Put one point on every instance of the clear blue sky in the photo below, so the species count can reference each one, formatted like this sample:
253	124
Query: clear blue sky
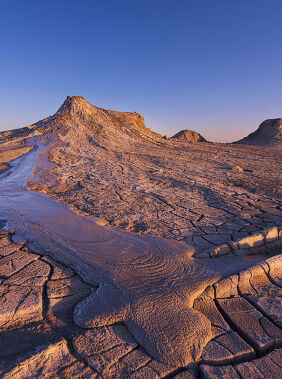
214	66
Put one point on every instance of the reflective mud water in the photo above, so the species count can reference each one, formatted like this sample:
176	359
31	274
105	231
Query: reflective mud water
148	283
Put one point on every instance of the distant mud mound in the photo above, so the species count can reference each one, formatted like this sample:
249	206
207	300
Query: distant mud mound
269	133
189	136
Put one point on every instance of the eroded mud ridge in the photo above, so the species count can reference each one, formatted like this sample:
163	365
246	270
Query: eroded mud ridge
40	339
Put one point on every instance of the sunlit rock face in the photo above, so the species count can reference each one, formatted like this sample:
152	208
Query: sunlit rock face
152	257
269	133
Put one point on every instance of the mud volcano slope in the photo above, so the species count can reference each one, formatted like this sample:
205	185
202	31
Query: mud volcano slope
143	258
81	124
269	133
78	122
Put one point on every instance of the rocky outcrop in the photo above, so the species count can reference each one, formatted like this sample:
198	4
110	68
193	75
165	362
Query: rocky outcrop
269	133
189	136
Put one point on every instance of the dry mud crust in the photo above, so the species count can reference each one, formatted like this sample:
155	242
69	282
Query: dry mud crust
191	193
8	154
38	295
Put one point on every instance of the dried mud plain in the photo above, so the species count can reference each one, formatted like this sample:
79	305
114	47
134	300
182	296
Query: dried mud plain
144	258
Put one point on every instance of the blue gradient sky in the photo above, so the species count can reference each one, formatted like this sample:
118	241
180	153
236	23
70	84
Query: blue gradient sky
212	66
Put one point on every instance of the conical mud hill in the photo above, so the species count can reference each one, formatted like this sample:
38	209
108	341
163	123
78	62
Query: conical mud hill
79	116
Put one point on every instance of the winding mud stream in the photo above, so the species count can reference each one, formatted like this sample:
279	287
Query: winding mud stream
147	283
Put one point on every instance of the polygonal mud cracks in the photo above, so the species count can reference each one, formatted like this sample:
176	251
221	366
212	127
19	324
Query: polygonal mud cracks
52	361
39	295
37	308
245	323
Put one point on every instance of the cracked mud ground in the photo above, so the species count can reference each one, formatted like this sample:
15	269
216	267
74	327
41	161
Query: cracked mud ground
223	199
40	339
203	194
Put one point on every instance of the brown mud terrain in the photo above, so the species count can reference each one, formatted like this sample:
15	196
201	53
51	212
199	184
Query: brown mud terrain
126	254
